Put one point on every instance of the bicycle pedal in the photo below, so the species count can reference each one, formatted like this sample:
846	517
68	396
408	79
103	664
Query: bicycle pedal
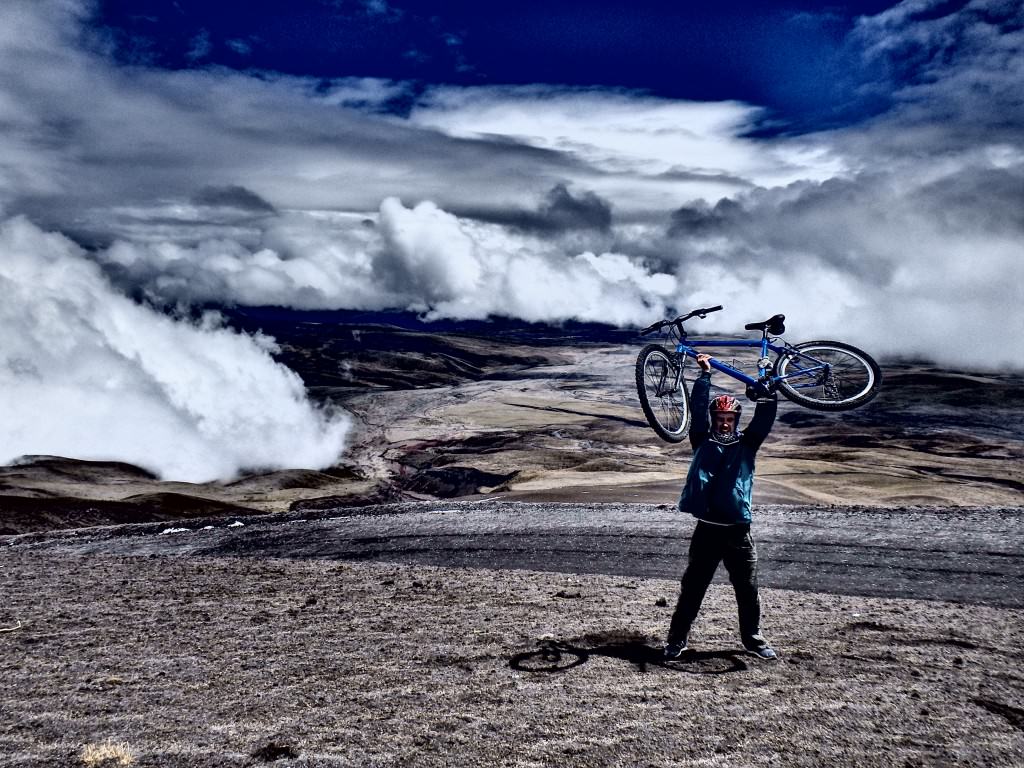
758	392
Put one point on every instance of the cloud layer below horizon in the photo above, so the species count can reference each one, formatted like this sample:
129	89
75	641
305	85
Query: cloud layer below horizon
904	233
91	374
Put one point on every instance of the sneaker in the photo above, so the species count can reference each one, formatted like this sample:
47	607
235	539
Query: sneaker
765	652
674	650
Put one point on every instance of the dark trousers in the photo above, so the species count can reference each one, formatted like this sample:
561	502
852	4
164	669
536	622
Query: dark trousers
711	545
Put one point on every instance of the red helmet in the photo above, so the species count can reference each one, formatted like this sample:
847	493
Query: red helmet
726	404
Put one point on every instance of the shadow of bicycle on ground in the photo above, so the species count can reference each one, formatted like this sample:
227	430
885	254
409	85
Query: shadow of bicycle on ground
562	655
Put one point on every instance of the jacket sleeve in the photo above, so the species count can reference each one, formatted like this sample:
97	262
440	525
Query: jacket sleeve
761	424
700	399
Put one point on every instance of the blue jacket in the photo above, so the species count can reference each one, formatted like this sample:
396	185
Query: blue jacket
721	477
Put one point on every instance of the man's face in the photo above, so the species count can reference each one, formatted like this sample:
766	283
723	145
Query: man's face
723	422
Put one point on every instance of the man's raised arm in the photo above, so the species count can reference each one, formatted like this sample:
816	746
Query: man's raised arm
700	399
761	424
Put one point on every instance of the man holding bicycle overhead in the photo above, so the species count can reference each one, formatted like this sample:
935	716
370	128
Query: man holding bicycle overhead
717	492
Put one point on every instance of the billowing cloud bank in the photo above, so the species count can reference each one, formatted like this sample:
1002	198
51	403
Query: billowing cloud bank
903	233
89	373
420	258
850	258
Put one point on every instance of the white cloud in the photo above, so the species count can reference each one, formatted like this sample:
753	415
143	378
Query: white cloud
420	258
645	147
200	46
84	135
239	46
427	252
86	372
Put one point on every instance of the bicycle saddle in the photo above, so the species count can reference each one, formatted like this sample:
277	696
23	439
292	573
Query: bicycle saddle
774	325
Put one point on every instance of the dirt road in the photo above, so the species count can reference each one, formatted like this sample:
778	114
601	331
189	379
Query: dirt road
965	555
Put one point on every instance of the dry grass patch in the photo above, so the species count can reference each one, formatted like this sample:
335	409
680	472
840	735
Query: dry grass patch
108	753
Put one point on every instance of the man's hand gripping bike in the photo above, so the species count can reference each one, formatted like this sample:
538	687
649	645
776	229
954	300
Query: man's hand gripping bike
821	375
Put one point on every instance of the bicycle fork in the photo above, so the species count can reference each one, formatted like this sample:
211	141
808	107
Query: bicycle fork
662	390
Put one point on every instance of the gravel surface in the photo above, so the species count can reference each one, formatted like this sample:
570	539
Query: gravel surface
230	662
207	647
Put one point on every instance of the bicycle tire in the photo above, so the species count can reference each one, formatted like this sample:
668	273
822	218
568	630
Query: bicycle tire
668	412
851	380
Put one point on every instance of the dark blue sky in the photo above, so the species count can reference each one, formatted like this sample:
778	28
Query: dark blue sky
787	56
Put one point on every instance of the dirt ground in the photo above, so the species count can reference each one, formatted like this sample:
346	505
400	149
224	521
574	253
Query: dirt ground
203	661
178	650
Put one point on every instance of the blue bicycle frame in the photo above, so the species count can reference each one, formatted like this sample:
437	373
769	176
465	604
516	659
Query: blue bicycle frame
764	382
821	375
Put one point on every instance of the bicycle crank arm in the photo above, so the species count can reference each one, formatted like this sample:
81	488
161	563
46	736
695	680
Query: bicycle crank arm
763	388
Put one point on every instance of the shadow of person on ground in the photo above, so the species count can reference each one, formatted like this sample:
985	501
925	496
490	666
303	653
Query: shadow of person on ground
562	655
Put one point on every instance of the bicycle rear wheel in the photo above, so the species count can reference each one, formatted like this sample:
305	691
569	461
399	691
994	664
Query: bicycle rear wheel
828	376
662	391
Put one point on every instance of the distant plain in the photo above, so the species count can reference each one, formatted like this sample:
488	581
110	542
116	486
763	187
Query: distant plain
536	412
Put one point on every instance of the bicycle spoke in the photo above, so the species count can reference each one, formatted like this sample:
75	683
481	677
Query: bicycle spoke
827	374
664	393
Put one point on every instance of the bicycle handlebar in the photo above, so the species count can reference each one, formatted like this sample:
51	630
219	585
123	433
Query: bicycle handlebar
651	328
678	322
700	313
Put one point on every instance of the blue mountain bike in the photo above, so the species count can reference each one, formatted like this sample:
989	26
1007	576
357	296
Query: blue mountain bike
821	375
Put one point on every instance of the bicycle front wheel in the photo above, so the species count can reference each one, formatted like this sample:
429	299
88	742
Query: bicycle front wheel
828	376
662	391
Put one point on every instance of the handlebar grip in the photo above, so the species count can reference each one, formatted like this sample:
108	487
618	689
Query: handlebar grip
702	313
652	328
